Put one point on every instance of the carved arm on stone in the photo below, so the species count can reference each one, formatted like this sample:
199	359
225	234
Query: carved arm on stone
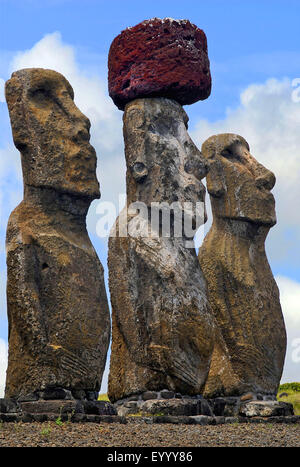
24	308
157	255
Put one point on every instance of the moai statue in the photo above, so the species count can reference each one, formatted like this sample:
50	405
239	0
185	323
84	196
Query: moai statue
162	328
250	336
59	323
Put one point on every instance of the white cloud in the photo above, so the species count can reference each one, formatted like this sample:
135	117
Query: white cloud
10	185
44	55
3	365
290	302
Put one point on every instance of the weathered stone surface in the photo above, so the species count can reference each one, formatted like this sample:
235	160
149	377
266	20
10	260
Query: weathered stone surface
175	420
97	408
247	397
128	409
204	408
10	417
63	407
66	417
165	394
98	418
55	393
170	407
59	324
162	327
231	420
8	406
131	405
79	394
220	420
227	406
250	336
58	406
266	409
204	420
134	397
32	396
159	58
218	406
91	395
149	395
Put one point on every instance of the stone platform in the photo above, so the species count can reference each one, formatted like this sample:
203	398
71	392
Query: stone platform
63	410
149	407
168	407
58	404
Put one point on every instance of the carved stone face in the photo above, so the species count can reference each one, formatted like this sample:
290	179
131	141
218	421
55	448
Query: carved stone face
51	133
165	165
239	185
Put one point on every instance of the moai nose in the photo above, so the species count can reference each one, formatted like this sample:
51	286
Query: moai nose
266	179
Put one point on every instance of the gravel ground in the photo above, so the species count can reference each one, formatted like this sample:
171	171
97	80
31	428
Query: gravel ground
135	434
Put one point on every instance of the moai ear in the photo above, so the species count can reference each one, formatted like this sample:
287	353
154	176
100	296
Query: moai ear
215	179
134	137
139	171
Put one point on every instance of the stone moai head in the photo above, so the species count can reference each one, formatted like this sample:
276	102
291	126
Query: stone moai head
238	185
163	163
51	133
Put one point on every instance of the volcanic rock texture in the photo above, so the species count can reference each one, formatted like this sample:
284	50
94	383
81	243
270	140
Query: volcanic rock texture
162	335
59	324
159	58
250	333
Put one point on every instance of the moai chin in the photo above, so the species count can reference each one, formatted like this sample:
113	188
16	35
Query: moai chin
162	328
59	323
250	332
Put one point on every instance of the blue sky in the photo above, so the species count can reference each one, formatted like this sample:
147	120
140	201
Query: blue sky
254	53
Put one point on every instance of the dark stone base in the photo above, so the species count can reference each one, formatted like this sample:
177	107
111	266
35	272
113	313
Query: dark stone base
59	393
206	420
63	410
247	406
183	409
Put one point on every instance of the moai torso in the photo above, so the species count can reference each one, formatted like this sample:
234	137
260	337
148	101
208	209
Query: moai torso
250	332
59	325
162	328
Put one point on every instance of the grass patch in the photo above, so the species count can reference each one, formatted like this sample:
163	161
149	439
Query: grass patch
45	432
289	387
137	414
59	421
293	395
